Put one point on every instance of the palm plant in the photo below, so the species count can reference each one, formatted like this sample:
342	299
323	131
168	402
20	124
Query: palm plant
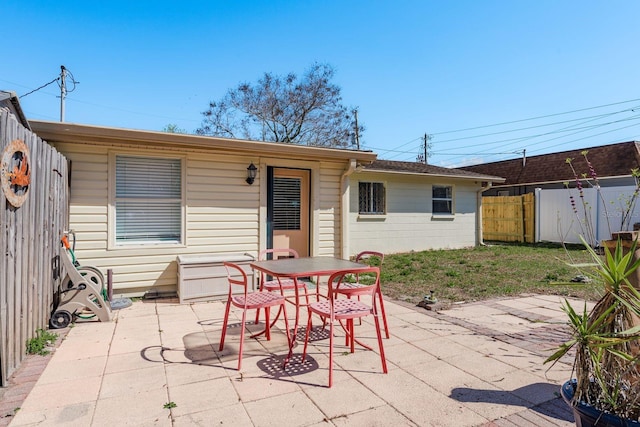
607	339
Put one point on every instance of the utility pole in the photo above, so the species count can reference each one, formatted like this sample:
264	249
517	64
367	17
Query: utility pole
425	149
63	90
355	113
422	157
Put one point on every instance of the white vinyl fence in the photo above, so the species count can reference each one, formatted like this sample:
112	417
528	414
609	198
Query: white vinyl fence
556	220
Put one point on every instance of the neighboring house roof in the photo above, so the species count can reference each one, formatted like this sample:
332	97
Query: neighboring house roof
615	160
10	100
426	169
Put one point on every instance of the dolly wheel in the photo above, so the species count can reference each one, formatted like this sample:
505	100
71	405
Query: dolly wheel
60	319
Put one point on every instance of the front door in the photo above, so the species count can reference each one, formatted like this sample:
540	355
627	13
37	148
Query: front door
288	209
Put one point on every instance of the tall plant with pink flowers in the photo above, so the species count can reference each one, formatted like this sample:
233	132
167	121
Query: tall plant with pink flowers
582	208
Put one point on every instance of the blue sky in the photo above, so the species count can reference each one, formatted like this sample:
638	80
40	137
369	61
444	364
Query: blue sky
411	67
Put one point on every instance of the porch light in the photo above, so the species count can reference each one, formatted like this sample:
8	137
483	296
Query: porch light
252	170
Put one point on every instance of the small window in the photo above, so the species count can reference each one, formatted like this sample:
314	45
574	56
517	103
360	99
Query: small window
442	199
148	200
371	198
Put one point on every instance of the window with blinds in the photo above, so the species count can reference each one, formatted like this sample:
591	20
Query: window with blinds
371	200
286	203
442	199
148	199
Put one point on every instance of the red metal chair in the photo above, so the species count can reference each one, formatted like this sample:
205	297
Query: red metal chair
248	301
347	309
361	257
276	285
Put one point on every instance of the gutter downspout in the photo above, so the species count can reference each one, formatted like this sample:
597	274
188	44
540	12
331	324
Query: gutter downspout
344	208
479	240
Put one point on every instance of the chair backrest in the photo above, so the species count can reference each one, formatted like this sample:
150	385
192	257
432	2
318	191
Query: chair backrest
277	253
338	280
236	276
365	255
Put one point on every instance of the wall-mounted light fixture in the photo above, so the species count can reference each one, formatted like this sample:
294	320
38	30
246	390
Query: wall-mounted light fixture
252	170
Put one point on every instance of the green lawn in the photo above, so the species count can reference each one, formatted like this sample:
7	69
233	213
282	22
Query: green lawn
495	270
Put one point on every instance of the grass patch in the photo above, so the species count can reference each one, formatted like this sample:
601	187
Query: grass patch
485	272
41	342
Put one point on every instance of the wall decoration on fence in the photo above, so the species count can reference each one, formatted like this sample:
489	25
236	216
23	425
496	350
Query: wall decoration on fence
15	172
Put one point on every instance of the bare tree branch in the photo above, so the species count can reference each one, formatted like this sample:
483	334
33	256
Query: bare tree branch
285	109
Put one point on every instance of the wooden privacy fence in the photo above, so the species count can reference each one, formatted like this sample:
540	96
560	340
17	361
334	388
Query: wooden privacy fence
33	215
509	218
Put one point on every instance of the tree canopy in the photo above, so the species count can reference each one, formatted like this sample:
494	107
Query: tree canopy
306	110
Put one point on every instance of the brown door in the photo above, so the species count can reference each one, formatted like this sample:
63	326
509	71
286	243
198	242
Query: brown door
289	210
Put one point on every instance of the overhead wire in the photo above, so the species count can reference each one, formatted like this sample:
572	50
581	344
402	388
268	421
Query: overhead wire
41	87
511	141
567	129
581	130
536	118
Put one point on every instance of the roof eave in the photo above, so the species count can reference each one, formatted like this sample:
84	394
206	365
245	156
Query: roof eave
440	175
15	102
71	132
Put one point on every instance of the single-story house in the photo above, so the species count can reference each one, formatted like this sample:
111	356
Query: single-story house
404	206
146	205
612	163
139	199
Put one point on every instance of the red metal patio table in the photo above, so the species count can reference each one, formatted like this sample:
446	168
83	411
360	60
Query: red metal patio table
297	268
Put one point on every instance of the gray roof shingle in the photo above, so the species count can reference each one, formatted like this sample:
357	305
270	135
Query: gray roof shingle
426	169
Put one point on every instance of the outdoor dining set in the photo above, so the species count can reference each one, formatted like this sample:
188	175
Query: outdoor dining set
352	293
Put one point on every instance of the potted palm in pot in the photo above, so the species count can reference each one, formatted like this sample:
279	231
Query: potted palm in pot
605	390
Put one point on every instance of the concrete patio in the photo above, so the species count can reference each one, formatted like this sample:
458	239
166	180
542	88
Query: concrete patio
156	364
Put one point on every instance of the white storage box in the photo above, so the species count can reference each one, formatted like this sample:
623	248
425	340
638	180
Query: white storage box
202	278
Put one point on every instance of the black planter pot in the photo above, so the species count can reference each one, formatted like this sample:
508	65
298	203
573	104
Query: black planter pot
588	416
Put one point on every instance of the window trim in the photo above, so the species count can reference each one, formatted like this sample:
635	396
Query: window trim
384	200
112	244
452	200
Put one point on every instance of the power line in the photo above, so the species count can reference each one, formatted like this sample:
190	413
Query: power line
535	118
41	87
563	132
567	129
599	116
456	155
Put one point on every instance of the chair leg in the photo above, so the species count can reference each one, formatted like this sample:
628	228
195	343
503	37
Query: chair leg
224	325
286	328
352	335
267	325
380	346
258	310
244	319
307	332
384	315
330	353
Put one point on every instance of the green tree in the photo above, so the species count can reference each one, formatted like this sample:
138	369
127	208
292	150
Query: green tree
173	128
306	110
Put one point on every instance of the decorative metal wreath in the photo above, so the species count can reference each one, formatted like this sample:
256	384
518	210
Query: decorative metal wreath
15	172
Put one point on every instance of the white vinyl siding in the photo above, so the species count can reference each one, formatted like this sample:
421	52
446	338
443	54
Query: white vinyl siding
221	211
329	238
148	200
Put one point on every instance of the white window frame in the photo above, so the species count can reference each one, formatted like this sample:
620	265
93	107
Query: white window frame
112	228
384	199
451	200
